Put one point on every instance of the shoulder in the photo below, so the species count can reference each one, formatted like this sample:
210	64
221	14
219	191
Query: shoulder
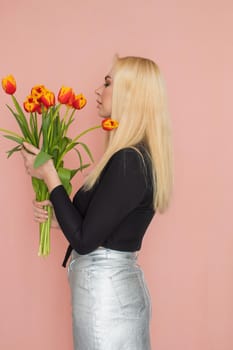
130	160
128	171
134	153
137	154
127	156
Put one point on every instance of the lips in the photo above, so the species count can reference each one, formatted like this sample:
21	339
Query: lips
98	104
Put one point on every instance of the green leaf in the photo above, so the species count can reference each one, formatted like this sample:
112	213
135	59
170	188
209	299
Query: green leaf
21	124
34	131
23	120
70	146
18	108
41	158
74	171
64	143
36	135
55	154
87	150
69	189
13	150
84	166
65	176
40	189
31	122
80	157
10	132
45	126
55	147
14	138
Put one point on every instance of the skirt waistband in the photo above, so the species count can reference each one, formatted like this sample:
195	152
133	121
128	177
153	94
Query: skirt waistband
106	253
105	256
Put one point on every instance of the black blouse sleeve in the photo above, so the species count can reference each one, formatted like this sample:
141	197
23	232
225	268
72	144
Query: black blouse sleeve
120	190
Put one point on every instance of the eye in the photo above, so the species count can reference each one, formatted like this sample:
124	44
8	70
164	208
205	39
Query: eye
107	83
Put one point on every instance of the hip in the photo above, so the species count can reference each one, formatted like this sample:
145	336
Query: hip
109	278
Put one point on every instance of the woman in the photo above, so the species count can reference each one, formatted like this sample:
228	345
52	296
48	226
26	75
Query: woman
108	217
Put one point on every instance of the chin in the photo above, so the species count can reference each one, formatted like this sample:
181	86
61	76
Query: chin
104	116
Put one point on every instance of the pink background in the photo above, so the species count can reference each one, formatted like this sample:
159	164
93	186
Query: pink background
187	253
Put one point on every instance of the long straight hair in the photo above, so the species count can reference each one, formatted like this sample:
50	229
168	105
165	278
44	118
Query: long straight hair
139	104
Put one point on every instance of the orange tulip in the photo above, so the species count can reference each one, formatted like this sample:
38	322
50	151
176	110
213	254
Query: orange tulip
79	102
9	84
32	105
109	124
48	99
38	90
71	100
65	95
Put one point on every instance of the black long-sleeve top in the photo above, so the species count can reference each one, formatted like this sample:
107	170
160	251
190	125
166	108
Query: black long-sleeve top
115	213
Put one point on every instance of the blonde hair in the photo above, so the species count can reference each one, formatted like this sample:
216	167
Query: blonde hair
139	105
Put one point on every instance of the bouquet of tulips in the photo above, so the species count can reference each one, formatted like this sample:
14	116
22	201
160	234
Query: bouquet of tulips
46	129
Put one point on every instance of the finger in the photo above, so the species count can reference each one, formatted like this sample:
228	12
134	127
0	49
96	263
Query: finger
41	204
23	153
31	148
26	158
40	215
40	220
40	211
37	204
46	202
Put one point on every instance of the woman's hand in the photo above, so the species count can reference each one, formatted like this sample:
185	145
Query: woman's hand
46	172
29	153
41	215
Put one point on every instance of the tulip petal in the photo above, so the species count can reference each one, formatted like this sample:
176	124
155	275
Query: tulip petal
79	101
9	84
64	95
109	124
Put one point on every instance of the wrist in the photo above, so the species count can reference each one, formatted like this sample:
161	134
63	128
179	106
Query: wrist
52	179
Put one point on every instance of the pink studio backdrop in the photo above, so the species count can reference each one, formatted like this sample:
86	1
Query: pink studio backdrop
187	253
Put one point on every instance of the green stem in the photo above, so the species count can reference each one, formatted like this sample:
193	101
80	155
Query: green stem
65	116
69	122
73	143
42	194
85	132
52	118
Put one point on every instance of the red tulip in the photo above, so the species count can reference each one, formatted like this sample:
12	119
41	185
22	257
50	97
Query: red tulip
71	100
38	90
32	105
65	95
79	102
9	84
48	99
109	124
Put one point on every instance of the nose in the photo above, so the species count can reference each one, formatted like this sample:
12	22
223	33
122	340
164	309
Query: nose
98	91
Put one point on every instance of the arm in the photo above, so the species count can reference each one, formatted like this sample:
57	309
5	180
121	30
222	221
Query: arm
120	190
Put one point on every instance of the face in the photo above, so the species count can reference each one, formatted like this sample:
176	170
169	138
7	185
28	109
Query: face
104	97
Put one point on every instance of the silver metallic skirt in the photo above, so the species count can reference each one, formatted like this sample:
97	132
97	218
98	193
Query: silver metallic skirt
111	306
